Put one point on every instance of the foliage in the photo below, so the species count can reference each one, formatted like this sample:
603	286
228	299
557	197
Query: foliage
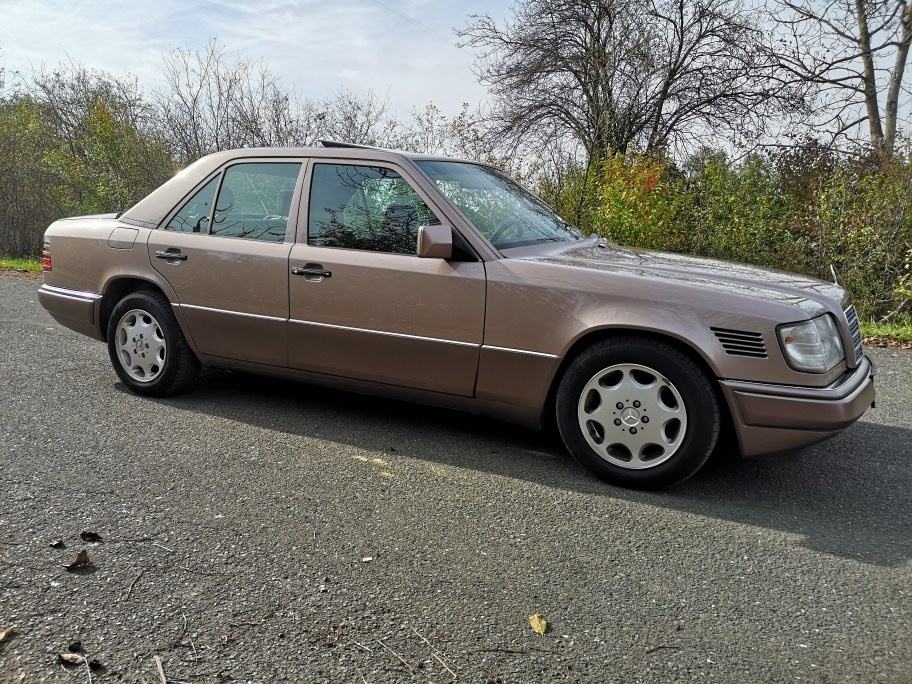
28	187
30	265
637	203
811	214
901	331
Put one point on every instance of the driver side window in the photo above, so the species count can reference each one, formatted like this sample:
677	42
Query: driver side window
370	208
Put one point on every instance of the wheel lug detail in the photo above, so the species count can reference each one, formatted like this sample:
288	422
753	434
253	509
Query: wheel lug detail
633	431
636	404
620	405
617	421
645	419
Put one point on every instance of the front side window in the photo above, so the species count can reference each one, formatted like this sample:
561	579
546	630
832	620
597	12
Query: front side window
254	201
365	207
506	214
193	217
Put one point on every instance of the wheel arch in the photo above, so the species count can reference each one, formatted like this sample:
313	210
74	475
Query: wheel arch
119	286
595	335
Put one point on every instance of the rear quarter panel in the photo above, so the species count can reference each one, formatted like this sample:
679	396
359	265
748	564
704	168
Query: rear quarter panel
91	254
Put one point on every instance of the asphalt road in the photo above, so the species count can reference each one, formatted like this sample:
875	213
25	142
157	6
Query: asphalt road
238	519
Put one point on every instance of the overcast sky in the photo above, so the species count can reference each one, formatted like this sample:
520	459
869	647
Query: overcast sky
404	48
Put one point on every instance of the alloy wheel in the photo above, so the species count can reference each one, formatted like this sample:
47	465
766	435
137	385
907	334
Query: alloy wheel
140	345
632	416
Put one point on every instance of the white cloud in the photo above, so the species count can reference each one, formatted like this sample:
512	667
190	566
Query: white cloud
405	48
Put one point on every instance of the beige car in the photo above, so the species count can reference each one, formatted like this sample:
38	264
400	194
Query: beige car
442	281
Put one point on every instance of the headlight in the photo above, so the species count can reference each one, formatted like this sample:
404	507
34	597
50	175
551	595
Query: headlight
813	346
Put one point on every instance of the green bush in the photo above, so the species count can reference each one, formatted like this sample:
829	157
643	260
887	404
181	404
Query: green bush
805	212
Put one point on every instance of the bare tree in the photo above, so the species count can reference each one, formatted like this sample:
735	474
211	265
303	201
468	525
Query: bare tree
852	55
362	119
465	134
210	102
627	74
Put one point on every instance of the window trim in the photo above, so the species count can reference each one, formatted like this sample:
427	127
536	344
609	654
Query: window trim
303	232
291	228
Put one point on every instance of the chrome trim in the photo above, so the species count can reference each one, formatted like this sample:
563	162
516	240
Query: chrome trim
520	351
67	293
227	311
851	316
350	328
384	332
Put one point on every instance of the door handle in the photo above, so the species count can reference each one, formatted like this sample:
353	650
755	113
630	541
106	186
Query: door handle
170	255
313	272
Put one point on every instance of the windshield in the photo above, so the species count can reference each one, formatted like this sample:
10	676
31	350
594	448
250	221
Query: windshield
507	215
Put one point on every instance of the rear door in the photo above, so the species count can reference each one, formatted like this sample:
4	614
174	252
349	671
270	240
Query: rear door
225	253
363	305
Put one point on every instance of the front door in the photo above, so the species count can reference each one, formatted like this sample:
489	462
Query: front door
229	267
363	305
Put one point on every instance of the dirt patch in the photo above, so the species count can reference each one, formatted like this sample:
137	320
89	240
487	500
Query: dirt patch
20	273
886	343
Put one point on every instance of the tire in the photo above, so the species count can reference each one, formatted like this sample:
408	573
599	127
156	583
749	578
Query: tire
635	394
147	348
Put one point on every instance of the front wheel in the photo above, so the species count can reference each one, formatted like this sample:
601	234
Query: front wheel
637	412
146	346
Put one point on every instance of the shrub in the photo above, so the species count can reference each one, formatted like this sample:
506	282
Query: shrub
804	211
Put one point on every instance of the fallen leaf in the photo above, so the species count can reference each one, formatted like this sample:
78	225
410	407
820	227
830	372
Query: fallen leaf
57	544
81	560
90	536
538	623
77	659
6	633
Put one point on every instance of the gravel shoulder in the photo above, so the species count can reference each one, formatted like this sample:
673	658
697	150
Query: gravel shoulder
260	531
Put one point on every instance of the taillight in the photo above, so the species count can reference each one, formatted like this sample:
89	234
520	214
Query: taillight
47	264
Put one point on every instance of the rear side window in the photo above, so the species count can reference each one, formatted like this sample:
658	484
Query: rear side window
365	207
254	201
193	217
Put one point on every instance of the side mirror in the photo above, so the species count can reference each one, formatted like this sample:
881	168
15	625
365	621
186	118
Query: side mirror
435	242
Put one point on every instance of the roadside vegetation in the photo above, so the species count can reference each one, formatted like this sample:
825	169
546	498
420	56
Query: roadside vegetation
21	265
775	134
888	334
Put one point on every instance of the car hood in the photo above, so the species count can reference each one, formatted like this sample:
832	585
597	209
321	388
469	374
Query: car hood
809	294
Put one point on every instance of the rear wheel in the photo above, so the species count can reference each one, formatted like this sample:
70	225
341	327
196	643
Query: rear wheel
146	346
637	412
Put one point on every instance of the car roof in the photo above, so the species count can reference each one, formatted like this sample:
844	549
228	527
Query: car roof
152	209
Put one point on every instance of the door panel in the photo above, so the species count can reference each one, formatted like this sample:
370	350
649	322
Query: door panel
233	292
391	318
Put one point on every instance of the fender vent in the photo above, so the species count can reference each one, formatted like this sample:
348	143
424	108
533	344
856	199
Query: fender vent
741	342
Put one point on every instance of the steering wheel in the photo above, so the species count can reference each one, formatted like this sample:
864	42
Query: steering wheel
504	226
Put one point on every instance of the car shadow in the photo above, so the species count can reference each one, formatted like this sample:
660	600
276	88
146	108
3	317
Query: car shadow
848	496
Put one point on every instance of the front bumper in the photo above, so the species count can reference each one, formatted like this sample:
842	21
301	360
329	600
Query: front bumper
74	309
771	418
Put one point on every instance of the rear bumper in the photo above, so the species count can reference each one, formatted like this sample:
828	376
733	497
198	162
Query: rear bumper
771	418
74	309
